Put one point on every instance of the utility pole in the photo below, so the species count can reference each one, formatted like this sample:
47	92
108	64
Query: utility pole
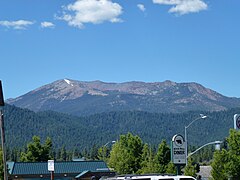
3	132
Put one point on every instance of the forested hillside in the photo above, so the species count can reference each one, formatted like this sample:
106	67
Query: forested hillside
98	129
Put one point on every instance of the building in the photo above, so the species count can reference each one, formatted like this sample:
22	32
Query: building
205	172
72	170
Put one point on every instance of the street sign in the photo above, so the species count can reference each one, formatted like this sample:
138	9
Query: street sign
178	150
50	165
237	121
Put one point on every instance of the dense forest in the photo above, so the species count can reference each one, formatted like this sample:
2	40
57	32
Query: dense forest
83	133
130	155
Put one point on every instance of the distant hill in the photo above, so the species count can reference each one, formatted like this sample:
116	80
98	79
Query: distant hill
85	98
98	129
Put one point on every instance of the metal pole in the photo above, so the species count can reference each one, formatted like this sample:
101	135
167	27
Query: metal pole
215	142
109	142
52	175
179	169
3	144
201	117
185	136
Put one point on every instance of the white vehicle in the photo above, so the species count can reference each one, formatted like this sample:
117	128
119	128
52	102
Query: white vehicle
152	177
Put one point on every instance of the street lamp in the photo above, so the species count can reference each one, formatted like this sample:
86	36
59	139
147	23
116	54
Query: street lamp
106	150
109	142
217	147
201	117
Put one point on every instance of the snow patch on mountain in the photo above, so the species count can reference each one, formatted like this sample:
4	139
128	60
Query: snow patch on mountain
68	82
97	93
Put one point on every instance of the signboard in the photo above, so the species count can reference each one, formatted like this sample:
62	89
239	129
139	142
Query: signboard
237	121
178	149
50	165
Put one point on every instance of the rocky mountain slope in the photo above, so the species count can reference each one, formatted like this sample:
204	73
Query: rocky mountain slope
84	98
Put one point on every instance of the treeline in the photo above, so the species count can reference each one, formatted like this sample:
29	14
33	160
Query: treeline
129	155
96	153
83	133
58	154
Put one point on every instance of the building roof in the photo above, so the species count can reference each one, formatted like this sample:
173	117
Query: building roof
31	168
205	172
82	174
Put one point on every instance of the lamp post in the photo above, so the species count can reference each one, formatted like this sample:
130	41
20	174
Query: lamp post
201	117
109	142
105	150
217	147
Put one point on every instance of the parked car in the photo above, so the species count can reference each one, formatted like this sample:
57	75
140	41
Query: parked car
152	177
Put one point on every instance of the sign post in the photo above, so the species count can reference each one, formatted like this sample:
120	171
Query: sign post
237	121
3	132
51	168
178	151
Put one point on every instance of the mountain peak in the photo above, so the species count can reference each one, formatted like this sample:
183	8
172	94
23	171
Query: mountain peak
88	97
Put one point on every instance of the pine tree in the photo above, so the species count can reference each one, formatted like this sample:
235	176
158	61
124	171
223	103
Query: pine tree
36	152
103	153
226	163
147	161
125	156
190	169
163	157
63	154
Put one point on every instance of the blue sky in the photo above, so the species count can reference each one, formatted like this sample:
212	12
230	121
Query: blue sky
119	40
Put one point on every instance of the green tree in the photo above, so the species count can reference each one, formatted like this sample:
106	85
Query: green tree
147	162
1	165
94	152
63	154
36	152
125	156
218	165
103	153
163	157
190	169
226	163
171	168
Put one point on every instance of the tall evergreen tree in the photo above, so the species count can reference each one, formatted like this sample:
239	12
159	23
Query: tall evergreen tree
163	157
226	163
125	156
103	153
36	152
147	162
190	169
63	154
218	165
94	152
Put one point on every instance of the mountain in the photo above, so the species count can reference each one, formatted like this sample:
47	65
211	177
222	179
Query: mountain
98	129
85	98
